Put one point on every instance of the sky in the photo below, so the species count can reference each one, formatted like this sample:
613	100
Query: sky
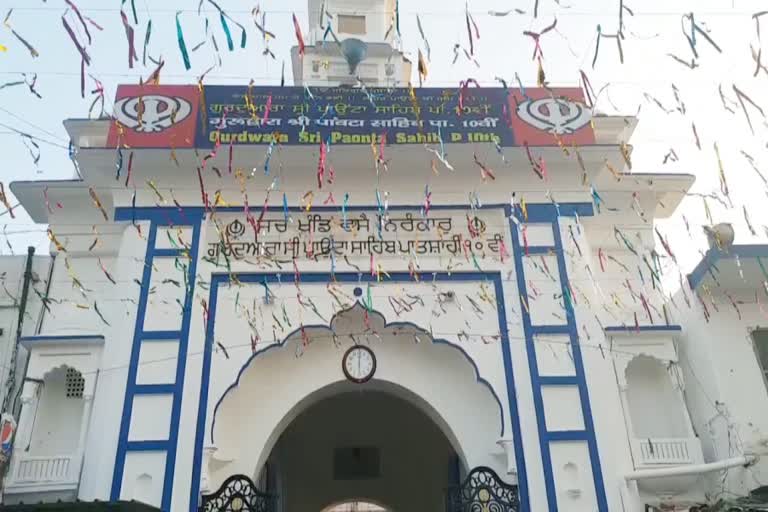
653	30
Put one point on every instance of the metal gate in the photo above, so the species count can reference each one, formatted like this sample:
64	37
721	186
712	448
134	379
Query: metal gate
238	493
482	491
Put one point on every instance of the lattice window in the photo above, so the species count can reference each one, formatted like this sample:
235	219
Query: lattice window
74	384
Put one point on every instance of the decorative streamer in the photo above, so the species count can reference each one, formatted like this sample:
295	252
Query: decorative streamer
422	67
182	44
80	17
23	41
83	54
299	37
741	97
424	38
130	167
96	309
129	35
97	203
146	43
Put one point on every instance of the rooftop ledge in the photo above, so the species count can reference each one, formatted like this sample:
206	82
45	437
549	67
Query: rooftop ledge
741	267
41	340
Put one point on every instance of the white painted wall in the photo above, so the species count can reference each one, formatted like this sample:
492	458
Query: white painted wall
729	403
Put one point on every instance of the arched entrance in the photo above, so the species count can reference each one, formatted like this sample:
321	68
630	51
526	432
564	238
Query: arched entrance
362	445
302	432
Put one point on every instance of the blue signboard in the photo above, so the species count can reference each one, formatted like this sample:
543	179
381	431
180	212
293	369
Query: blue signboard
297	116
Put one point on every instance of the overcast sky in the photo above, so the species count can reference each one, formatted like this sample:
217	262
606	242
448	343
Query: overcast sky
651	34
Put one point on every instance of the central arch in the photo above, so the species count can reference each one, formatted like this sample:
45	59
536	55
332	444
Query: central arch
361	446
435	378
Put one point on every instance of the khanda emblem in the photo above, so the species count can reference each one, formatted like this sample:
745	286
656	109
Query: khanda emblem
151	113
554	115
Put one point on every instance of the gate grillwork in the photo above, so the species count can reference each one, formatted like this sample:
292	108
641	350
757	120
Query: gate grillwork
238	493
482	491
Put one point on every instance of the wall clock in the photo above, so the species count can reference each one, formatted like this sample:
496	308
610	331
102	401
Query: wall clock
359	364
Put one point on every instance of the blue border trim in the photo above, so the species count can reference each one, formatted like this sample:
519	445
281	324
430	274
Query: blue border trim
537	212
158	218
125	421
714	255
578	363
538	382
190	215
160	335
148	446
354	277
567	435
642	328
181	365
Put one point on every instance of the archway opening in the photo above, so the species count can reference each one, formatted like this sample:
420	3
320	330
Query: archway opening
357	449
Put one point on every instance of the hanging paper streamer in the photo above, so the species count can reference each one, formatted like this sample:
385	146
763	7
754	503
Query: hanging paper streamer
422	67
23	41
4	200
299	37
182	44
424	38
600	35
146	43
470	25
129	35
80	17
97	203
130	168
485	171
83	54
55	241
741	97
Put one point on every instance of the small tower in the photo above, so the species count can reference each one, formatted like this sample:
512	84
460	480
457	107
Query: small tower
366	45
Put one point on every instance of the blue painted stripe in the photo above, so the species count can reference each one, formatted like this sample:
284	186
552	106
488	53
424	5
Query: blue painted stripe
170	464
147	446
159	335
539	249
125	422
568	435
537	212
159	217
533	368
169	253
202	407
578	363
154	389
517	437
550	329
564	380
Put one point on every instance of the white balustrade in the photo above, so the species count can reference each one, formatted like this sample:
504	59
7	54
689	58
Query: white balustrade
671	451
43	469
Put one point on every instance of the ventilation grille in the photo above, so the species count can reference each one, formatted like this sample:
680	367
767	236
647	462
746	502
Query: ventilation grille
74	384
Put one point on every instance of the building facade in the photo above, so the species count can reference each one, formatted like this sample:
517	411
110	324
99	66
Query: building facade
303	298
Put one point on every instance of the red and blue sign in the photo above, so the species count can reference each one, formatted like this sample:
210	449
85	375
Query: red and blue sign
185	116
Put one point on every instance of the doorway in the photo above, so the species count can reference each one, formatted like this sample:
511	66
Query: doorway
362	451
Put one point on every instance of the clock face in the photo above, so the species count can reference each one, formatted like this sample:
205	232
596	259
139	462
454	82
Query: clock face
359	364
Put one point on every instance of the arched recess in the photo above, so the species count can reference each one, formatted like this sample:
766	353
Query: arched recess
655	407
275	385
